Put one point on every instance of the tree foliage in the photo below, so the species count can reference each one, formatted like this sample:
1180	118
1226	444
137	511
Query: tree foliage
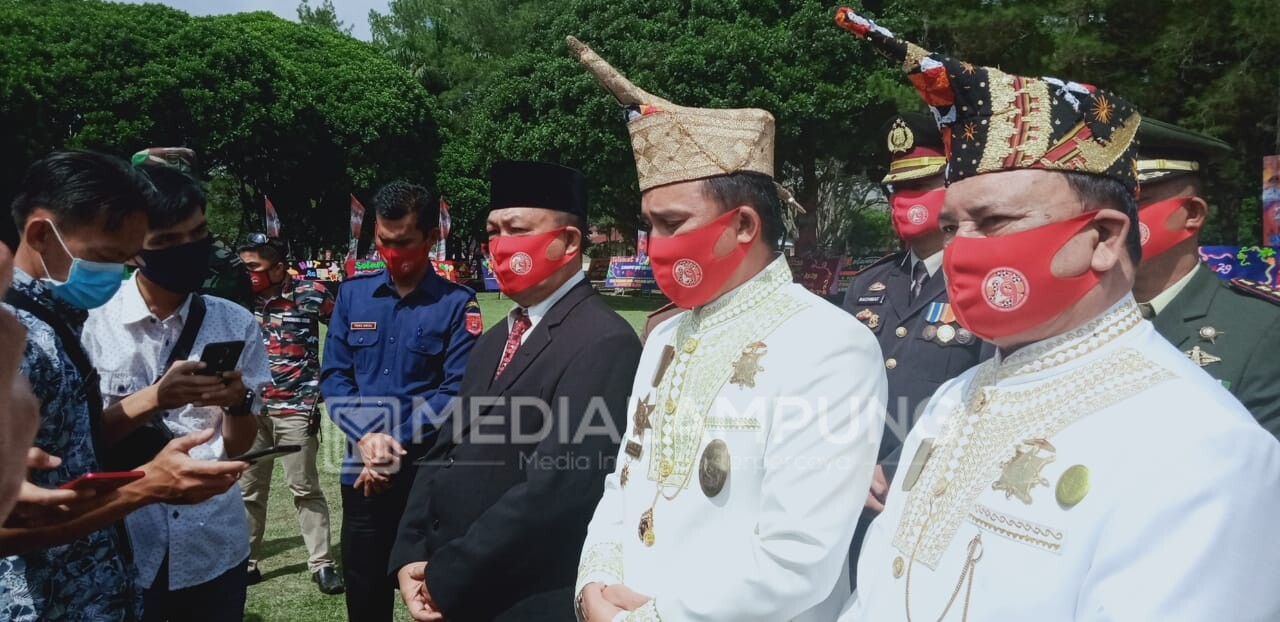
303	114
323	16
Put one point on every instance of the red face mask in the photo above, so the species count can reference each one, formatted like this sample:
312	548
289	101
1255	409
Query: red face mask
1154	229
520	261
260	281
1003	286
686	267
915	212
402	262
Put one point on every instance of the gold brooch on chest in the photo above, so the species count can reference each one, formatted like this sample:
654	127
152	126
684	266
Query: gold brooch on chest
1200	357
748	365
1022	472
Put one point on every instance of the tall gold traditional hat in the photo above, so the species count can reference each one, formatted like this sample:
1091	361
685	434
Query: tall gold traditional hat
994	121
673	143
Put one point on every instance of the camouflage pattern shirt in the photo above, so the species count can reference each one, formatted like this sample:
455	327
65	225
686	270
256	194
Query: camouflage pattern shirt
291	328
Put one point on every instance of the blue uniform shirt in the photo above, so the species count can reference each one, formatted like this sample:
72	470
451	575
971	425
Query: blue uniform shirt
391	363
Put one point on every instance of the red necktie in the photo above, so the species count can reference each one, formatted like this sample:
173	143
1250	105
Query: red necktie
518	327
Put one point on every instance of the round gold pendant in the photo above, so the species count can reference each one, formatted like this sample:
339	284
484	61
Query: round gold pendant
713	469
1073	486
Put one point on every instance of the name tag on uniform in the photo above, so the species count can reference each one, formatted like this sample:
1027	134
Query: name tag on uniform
871	300
364	326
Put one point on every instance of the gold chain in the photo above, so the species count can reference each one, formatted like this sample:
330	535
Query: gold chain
975	554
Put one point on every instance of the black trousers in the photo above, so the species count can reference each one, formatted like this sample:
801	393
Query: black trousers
368	532
219	600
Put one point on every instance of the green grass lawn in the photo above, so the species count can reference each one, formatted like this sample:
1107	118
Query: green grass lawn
286	592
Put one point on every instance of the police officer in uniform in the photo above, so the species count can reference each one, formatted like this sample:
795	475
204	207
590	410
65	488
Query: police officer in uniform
1231	329
903	297
394	357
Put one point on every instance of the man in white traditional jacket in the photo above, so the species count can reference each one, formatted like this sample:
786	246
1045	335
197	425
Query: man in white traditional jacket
1090	471
749	446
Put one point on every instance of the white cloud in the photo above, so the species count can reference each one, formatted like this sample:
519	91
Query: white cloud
353	13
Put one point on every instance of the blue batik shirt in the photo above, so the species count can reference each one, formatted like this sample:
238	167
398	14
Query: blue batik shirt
87	579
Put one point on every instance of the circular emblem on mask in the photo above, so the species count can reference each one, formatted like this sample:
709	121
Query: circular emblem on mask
1144	232
521	263
1005	289
918	214
687	273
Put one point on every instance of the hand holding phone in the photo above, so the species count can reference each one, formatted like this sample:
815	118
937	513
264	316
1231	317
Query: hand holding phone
220	357
254	456
104	481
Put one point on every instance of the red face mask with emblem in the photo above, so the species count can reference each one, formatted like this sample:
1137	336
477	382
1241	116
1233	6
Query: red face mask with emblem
402	262
520	261
1154	229
1003	285
259	281
686	266
915	212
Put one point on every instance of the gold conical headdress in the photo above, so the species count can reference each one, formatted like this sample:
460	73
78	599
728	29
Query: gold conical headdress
674	143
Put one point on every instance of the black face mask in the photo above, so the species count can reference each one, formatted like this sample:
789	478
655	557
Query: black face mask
180	269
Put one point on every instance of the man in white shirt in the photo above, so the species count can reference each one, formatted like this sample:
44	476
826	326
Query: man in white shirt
1089	471
749	446
190	560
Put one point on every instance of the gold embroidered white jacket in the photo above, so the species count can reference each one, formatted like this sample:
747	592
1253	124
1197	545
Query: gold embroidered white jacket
801	415
1098	475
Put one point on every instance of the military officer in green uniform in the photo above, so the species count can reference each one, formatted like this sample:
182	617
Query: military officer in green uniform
1231	329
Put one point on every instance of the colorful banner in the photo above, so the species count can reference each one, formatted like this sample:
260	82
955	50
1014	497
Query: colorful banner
486	273
629	273
817	274
272	218
642	246
357	223
852	266
445	269
1256	263
1271	200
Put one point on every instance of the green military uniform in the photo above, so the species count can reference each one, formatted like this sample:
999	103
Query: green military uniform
227	277
1231	329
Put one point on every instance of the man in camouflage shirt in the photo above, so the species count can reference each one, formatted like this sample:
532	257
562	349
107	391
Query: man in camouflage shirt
290	312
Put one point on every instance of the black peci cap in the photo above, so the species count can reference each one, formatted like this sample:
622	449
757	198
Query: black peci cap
538	184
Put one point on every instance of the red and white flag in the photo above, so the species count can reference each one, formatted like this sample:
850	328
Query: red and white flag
273	219
445	223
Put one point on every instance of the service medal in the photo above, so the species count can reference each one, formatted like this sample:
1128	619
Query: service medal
1022	472
713	470
946	333
748	365
645	530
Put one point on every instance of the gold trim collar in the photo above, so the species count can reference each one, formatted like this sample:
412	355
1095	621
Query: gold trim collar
744	297
1113	323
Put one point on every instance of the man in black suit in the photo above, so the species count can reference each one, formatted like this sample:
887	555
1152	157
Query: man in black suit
498	513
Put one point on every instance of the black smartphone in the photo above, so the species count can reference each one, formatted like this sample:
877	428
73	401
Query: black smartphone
278	450
221	357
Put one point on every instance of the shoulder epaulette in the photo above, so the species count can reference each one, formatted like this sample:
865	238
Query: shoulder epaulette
887	259
1256	290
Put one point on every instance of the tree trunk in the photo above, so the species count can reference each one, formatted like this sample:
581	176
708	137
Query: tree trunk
807	223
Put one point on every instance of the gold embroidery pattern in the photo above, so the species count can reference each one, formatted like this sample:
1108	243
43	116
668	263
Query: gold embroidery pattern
1118	320
1016	529
733	423
647	613
699	373
604	558
983	431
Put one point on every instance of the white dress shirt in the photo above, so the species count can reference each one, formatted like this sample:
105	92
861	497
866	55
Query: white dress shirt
931	263
1097	475
129	346
538	311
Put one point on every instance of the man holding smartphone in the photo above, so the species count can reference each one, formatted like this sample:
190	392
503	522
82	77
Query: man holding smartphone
290	312
189	560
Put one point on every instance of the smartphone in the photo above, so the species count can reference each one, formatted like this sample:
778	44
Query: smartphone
254	456
103	482
221	357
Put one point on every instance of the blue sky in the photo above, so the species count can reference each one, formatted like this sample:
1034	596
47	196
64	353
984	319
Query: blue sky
353	13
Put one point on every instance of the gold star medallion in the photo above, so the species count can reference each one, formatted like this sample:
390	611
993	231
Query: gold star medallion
642	422
1022	472
748	365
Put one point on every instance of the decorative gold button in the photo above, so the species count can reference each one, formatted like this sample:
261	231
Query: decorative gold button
690	345
898	567
670	406
665	468
940	487
901	332
890	363
1073	486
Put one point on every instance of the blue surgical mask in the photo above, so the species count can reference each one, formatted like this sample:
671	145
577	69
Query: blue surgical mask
89	284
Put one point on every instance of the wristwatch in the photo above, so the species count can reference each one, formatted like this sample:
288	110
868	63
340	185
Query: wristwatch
245	407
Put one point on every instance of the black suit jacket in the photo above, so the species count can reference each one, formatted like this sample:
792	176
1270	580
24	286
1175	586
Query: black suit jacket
914	364
501	502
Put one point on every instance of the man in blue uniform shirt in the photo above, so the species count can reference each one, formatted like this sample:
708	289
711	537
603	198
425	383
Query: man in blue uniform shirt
397	346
